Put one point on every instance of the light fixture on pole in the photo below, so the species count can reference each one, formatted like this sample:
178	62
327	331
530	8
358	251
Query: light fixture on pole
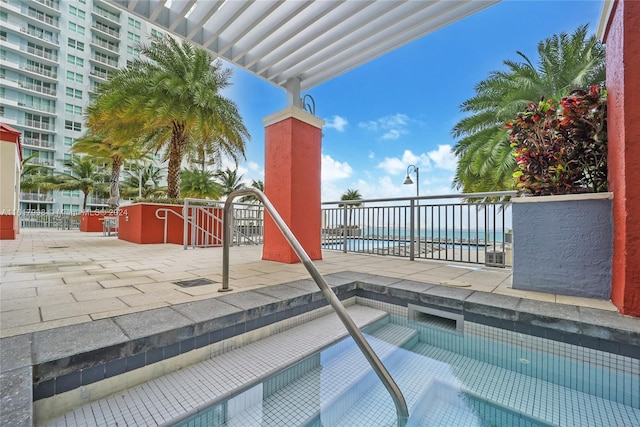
139	182
408	179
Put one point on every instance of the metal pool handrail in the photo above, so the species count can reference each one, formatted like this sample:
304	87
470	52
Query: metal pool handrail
398	399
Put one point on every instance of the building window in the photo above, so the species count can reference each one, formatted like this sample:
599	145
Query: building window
71	125
156	34
75	60
68	141
75	28
73	109
133	37
74	44
74	77
134	23
75	93
74	11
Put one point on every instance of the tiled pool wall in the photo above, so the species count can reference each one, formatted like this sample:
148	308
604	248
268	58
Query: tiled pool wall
599	373
76	357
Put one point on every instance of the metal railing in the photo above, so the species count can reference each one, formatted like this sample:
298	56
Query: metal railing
165	217
44	219
203	223
456	227
376	364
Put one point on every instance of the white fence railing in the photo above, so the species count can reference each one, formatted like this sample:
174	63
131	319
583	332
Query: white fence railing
203	223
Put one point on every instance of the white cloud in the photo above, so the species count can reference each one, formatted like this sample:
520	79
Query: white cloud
396	166
336	122
443	157
253	166
392	126
370	125
392	165
333	170
392	134
397	120
372	155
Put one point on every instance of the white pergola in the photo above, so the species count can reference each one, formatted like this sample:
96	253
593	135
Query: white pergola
298	44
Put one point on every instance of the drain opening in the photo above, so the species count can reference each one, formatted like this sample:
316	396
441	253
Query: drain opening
435	318
194	282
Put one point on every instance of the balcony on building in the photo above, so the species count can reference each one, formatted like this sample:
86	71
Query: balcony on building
102	13
103	45
38	125
100	75
106	31
42	55
104	60
39	17
52	6
40	71
30	107
51	40
97	202
41	90
38	143
39	197
93	88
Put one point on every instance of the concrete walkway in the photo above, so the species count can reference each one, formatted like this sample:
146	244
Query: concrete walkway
52	278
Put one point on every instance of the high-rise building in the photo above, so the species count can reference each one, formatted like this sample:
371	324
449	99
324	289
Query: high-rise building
53	56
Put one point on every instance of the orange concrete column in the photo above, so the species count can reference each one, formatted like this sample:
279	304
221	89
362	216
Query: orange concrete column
293	144
10	168
622	40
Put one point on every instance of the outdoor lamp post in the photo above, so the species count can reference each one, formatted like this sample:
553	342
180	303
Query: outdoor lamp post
408	179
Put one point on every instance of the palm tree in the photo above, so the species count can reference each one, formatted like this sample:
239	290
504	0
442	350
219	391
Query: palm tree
85	174
143	180
351	194
230	181
170	98
32	176
566	62
109	151
200	184
257	184
210	151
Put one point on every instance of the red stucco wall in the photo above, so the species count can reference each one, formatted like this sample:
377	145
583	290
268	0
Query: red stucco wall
92	221
292	183
623	87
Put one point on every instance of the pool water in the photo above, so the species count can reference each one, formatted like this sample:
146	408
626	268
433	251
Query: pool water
483	377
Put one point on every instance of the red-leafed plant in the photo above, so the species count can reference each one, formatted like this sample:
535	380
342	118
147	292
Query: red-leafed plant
562	151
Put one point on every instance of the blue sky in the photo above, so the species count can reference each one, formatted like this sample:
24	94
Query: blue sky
400	108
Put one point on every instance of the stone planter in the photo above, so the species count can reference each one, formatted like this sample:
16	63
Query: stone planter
563	244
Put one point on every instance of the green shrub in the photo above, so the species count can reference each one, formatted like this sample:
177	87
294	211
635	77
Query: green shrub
562	151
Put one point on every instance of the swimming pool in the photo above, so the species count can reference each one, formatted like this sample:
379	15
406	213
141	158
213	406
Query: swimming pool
480	376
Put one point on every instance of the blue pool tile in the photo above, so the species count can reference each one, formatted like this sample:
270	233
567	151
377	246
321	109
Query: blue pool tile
187	345
202	340
172	350
68	382
136	361
93	374
43	389
228	332
115	367
610	346
154	355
